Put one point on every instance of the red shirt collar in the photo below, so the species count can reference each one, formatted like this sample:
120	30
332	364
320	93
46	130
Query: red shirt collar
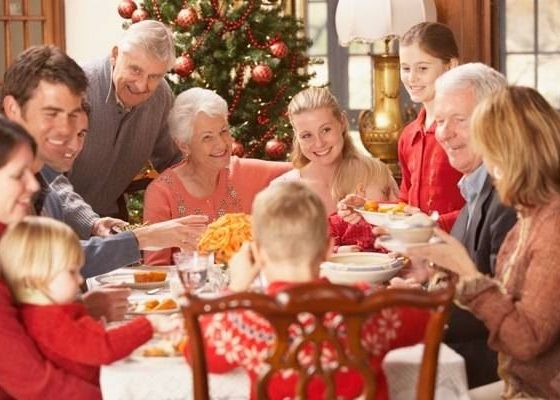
417	127
277	286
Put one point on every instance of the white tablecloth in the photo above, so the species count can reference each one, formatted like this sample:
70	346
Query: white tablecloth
402	365
170	378
165	379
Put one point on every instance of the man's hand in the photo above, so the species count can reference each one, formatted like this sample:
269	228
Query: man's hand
108	301
243	269
179	232
105	226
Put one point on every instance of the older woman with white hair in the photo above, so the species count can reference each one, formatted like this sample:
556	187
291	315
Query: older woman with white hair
210	180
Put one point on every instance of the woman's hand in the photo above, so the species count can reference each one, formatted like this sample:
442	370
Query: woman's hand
243	269
345	208
449	254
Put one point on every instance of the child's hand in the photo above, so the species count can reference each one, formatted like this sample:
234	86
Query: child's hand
400	283
243	269
110	301
348	249
167	327
345	208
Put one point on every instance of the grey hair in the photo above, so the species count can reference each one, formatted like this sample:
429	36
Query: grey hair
152	37
483	79
187	105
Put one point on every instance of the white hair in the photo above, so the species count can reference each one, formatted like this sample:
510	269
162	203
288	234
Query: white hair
483	79
186	107
151	37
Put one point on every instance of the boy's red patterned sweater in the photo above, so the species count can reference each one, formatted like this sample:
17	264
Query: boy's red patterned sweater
244	339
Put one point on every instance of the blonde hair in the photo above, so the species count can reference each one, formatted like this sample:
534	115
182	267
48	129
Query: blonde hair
363	170
287	215
314	98
35	250
517	131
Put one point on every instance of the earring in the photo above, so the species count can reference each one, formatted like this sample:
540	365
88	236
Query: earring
187	157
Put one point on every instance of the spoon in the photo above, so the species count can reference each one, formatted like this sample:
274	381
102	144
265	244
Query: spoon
153	291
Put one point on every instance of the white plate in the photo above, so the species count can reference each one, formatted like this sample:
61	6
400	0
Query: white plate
128	280
162	344
397	246
136	308
380	218
349	268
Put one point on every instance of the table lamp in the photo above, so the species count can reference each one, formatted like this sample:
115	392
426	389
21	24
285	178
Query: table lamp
380	23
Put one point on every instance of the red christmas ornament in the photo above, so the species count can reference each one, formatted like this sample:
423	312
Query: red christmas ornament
126	8
140	15
184	65
237	149
186	17
279	49
262	74
263	119
275	149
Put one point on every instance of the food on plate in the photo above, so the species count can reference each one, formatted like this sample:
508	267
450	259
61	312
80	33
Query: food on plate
154	305
389	208
149	276
155	352
151	304
225	236
371	205
164	348
166	304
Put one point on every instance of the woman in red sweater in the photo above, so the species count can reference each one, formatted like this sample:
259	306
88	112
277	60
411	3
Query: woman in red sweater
24	372
41	260
286	215
429	182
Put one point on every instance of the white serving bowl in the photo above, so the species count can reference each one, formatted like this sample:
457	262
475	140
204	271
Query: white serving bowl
417	228
380	218
412	235
349	268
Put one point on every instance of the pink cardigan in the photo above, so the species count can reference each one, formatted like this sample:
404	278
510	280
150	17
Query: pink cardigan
166	197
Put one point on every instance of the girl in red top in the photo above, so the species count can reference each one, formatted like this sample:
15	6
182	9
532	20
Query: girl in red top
370	178
429	182
41	260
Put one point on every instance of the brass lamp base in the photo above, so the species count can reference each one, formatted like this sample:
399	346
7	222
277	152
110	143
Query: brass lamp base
380	129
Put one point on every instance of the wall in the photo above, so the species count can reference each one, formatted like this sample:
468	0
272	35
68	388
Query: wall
92	28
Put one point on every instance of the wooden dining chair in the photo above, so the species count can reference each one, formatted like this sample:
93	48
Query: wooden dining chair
319	299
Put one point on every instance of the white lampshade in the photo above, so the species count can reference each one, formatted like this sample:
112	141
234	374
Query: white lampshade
369	20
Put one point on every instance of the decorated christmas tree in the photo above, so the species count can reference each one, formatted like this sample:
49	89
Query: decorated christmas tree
248	51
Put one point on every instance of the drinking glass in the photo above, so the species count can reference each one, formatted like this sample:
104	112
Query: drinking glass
192	268
218	278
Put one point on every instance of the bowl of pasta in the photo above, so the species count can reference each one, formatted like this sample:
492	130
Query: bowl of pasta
224	236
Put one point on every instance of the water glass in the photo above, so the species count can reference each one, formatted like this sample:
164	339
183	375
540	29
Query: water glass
218	278
192	267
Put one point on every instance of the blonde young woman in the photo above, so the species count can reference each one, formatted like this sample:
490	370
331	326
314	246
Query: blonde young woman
321	142
210	181
518	134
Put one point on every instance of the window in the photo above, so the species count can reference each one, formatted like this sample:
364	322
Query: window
25	23
348	71
530	48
